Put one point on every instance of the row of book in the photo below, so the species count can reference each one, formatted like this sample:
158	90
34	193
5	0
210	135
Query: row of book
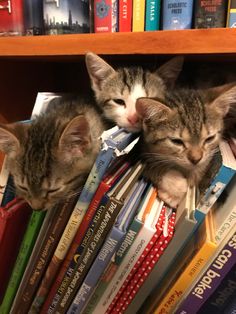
117	244
52	17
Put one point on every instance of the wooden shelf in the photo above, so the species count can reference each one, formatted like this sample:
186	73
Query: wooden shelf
204	41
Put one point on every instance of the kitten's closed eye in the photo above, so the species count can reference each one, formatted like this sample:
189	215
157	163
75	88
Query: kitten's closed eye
120	102
176	141
210	139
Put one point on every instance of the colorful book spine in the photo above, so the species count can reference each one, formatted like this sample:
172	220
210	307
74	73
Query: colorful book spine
9	193
116	201
210	14
11	18
105	16
177	14
231	16
24	299
138	246
59	264
123	249
108	249
14	218
26	247
211	278
152	15
125	15
145	266
138	19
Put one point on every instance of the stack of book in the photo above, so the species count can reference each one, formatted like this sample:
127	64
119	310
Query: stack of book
108	249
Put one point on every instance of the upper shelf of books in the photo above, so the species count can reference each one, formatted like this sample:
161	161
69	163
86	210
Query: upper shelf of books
194	41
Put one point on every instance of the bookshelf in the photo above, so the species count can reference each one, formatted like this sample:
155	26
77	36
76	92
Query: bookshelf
56	63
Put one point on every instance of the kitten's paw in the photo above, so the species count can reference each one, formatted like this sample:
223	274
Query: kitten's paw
172	188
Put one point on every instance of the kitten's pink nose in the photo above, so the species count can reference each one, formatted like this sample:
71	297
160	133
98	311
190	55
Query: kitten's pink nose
195	157
133	119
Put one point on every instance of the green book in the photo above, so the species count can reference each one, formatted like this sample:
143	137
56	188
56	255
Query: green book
26	248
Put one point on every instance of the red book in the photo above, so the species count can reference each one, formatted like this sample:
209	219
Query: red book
143	267
13	222
105	16
125	15
113	174
11	17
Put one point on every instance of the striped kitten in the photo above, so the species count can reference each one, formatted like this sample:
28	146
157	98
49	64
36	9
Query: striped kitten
116	91
181	136
50	157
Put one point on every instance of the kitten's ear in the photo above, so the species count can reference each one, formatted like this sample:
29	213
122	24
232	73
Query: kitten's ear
221	98
98	69
148	107
75	138
9	143
170	70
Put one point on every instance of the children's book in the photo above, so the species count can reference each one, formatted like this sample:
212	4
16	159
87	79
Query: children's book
56	270
66	17
217	270
11	18
151	216
117	197
177	14
210	14
123	249
114	238
37	268
14	218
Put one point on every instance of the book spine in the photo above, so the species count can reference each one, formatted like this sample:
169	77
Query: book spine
26	247
33	17
11	18
103	16
227	225
125	15
54	232
98	267
210	14
177	14
71	260
9	193
138	15
86	259
231	14
211	278
145	268
192	271
152	15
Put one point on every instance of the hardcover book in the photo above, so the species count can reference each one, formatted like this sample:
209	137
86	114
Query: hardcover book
23	301
26	247
211	278
210	14
11	18
125	16
13	223
138	18
105	16
231	16
114	205
177	14
152	15
66	16
33	17
114	238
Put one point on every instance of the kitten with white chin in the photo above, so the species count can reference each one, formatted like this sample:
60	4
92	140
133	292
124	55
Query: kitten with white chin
116	90
50	157
180	137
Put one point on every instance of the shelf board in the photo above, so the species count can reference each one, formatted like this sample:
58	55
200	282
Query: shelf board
204	41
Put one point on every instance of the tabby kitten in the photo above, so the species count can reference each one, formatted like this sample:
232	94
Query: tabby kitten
180	137
116	91
51	156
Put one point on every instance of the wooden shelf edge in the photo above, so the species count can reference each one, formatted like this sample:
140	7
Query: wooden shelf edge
194	41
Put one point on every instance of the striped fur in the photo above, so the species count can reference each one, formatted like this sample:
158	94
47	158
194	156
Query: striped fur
50	157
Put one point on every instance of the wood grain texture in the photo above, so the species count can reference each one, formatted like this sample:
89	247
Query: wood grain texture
201	41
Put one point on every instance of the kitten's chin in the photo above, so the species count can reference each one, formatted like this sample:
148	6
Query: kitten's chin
132	129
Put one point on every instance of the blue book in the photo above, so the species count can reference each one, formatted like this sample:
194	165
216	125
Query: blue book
9	193
152	15
109	247
177	14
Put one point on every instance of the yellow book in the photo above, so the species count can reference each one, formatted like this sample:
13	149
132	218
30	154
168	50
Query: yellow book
138	15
